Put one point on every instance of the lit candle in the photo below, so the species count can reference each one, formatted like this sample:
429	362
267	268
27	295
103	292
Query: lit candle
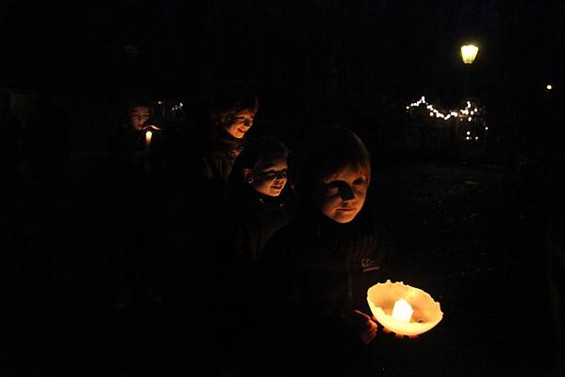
148	135
402	310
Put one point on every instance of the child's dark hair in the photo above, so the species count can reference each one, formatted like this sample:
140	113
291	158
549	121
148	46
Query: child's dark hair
229	98
329	150
129	103
257	150
132	103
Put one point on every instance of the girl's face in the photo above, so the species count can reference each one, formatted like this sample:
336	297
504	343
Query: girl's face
240	123
138	116
341	196
269	178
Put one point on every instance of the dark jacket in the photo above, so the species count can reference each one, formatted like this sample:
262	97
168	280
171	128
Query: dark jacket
134	175
253	219
325	267
256	217
218	151
209	164
315	271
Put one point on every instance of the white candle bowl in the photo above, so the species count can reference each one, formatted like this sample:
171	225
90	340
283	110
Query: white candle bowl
427	312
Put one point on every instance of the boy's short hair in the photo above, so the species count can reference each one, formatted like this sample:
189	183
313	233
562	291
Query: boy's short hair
132	103
230	98
328	151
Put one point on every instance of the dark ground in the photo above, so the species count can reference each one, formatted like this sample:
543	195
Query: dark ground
466	241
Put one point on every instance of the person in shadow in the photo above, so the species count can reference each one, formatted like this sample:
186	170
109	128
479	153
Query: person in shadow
260	197
11	242
261	200
554	243
48	148
134	168
12	132
198	164
233	108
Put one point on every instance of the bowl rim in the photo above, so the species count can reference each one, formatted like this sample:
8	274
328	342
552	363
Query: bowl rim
397	326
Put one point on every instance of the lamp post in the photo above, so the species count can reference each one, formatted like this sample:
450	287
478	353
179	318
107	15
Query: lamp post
468	54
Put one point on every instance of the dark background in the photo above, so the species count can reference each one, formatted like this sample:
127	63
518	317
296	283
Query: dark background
328	58
472	228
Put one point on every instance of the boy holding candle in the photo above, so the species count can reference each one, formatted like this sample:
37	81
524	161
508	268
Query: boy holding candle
315	272
135	185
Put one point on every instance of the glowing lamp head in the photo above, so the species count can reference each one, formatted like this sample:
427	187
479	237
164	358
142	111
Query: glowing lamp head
469	53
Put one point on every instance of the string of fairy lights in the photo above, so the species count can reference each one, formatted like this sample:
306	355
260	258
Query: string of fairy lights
467	113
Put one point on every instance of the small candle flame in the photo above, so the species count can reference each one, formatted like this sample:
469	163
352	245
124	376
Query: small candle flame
402	310
148	135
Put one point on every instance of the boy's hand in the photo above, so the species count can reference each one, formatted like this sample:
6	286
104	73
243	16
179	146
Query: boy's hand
364	326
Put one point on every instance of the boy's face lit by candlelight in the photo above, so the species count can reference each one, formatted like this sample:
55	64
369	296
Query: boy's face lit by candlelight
341	196
240	123
138	116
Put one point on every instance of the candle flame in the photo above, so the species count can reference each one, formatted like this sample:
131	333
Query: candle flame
402	310
148	135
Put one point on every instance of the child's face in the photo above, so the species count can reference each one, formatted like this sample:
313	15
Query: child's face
240	123
270	177
138	116
342	195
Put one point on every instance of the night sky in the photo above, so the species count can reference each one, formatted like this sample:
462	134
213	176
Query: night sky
399	46
362	55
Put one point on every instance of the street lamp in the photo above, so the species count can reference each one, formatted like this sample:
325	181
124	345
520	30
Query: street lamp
468	54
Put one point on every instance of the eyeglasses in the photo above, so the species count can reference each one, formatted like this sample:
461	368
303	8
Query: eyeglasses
248	122
270	175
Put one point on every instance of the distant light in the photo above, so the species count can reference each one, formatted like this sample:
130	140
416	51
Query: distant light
549	86
460	114
469	53
132	49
